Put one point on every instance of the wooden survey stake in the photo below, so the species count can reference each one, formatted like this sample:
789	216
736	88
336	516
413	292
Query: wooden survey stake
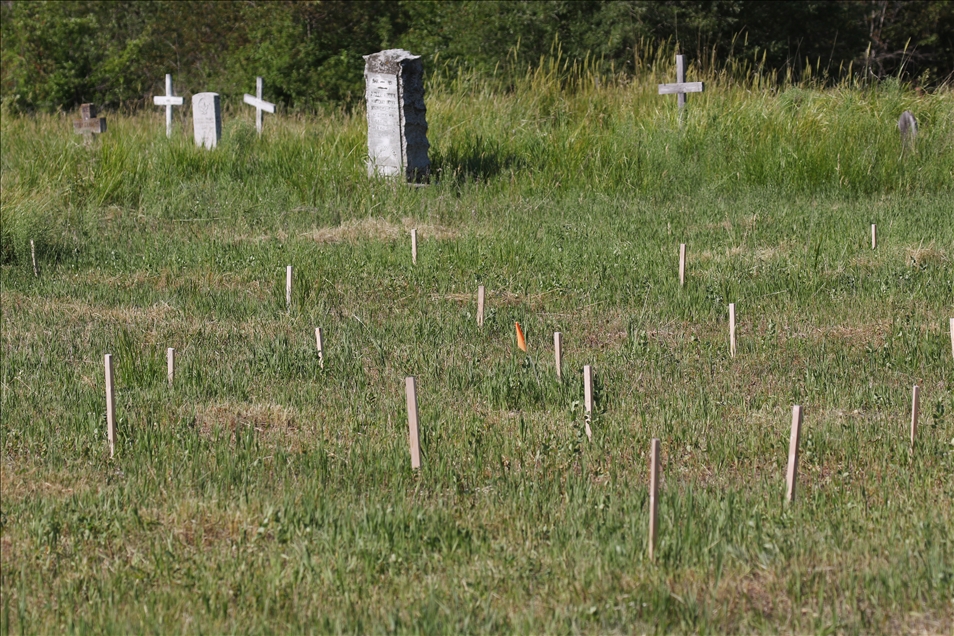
168	100
89	123
558	354
259	104
110	406
874	236
681	87
36	272
653	495
792	473
588	399
171	365
480	306
321	352
952	337
288	287
732	329
682	264
413	439
414	247
915	408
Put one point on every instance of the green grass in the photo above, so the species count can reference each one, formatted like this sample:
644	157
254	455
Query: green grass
264	494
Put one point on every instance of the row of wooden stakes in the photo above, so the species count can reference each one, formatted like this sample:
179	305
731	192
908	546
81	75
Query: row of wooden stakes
414	427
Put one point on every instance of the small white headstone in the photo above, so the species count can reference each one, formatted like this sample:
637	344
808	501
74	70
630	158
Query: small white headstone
397	123
206	119
908	126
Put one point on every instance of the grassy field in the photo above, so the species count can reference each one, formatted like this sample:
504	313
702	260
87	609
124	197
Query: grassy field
265	494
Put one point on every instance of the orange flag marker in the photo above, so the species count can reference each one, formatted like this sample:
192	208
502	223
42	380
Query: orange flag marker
521	341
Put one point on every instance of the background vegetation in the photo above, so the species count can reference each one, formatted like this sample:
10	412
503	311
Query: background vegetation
263	493
56	55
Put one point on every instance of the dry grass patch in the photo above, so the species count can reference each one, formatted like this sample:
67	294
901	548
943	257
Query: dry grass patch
378	229
231	416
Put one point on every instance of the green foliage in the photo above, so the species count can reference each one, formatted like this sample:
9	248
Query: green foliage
59	54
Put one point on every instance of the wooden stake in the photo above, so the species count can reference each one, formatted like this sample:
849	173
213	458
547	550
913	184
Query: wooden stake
732	329
171	365
874	236
411	388
588	399
480	306
110	406
653	492
414	247
36	272
321	351
952	337
682	264
558	354
915	408
792	474
288	285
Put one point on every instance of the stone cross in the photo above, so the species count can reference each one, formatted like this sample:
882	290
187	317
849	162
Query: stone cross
89	123
168	100
681	87
206	119
397	123
259	104
908	126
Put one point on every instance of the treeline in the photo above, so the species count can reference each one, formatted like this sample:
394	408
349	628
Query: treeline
56	55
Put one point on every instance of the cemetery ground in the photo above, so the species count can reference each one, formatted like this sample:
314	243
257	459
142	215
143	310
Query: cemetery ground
265	493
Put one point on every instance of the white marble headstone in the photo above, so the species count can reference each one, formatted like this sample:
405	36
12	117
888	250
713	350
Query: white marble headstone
397	123
206	119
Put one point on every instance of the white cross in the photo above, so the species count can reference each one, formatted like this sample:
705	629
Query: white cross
168	100
681	87
259	104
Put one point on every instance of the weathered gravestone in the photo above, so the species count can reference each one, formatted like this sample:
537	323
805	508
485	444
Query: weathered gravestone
89	123
681	87
908	126
259	104
168	100
206	119
397	126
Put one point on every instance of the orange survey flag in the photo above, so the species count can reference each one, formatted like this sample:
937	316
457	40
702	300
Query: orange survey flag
521	341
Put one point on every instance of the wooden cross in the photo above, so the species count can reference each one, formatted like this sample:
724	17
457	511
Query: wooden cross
90	123
681	87
259	104
168	100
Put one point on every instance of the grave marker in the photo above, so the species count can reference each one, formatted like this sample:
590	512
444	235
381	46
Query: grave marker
653	492
480	306
414	247
908	126
588	399
168	100
110	406
732	329
915	408
397	123
206	119
558	354
171	365
681	87
413	440
874	236
36	272
259	104
321	352
89	124
792	473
